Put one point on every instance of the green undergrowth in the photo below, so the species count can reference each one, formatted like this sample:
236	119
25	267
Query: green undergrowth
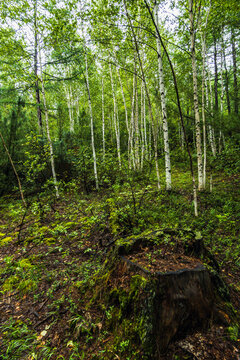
53	256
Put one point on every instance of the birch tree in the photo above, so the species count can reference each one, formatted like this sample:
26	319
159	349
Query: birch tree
115	117
195	97
37	92
48	130
203	38
164	109
91	123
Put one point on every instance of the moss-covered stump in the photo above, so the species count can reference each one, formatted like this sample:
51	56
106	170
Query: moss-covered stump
159	291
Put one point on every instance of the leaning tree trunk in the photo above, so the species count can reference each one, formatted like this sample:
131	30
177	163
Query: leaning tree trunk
195	96
164	109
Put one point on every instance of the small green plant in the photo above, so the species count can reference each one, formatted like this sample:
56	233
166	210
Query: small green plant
233	332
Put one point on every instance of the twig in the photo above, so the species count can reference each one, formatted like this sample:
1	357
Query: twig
21	224
42	321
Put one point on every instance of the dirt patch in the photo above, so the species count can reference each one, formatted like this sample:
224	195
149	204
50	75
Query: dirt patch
163	258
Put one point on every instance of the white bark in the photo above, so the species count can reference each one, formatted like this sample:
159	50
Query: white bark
91	124
203	37
115	117
131	129
103	121
70	110
124	100
136	129
221	141
142	126
210	127
48	130
195	97
164	110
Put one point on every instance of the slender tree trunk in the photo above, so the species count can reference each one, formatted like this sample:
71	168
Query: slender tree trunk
70	107
226	78
71	128
91	125
210	126
37	92
136	127
195	96
103	121
222	85
48	131
203	37
216	74
164	110
124	100
221	106
144	121
235	82
203	112
131	130
143	126
14	169
115	117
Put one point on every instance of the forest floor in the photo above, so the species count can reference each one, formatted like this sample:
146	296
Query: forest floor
49	250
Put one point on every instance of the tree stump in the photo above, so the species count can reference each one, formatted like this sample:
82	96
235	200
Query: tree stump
165	289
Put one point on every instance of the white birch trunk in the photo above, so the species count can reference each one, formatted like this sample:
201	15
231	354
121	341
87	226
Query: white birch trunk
142	127
48	130
103	121
136	128
149	141
124	100
164	111
203	113
210	127
203	38
115	118
221	105
195	97
131	129
91	124
69	105
71	110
